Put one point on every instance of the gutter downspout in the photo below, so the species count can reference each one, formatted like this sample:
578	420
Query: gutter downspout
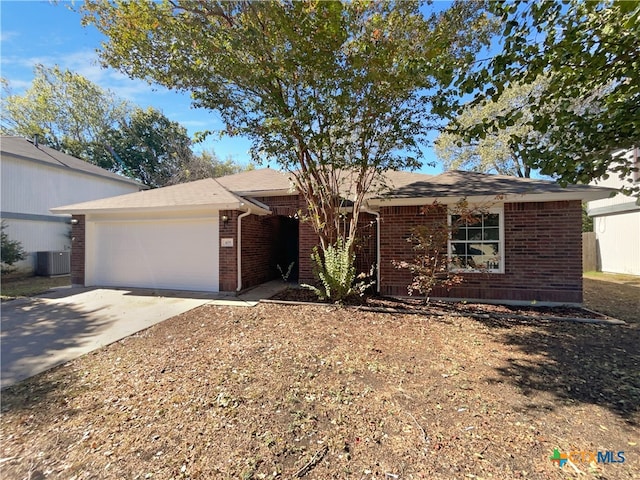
378	257
239	255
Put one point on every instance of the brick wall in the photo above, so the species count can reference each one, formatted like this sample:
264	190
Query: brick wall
77	250
285	205
307	239
395	226
365	247
262	241
289	206
228	272
258	249
542	255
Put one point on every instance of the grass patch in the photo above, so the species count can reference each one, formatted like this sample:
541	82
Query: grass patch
13	288
614	277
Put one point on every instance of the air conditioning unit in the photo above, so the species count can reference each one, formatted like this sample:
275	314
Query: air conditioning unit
53	263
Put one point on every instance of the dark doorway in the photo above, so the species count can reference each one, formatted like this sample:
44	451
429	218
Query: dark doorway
286	247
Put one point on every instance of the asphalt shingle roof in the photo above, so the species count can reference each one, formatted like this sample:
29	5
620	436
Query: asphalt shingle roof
25	149
200	193
259	180
458	183
229	192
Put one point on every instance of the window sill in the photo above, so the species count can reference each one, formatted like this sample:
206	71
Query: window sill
468	270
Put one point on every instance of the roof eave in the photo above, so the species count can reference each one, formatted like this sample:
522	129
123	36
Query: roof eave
240	205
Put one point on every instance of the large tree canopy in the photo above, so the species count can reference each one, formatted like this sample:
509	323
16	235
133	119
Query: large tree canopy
147	146
74	115
206	164
67	111
495	151
322	87
590	107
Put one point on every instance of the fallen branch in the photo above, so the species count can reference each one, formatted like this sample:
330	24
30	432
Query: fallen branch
425	437
319	455
573	465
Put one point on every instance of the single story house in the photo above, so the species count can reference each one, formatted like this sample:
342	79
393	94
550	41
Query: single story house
616	223
231	233
36	178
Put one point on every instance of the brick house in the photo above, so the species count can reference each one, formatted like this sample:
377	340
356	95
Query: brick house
232	233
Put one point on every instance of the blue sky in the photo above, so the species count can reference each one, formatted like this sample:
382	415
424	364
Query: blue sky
35	32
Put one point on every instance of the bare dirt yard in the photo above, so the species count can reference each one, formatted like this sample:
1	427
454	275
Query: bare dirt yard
321	392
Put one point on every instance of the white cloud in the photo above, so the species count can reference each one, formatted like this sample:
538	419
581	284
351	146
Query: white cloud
195	123
85	62
8	35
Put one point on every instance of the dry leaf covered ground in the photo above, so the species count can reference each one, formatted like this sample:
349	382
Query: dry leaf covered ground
319	392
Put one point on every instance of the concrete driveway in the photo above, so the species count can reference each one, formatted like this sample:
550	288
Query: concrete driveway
40	333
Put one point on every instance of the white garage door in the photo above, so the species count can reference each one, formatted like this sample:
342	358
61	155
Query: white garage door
170	254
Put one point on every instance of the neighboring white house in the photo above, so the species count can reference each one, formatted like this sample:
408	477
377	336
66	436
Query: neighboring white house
36	178
616	222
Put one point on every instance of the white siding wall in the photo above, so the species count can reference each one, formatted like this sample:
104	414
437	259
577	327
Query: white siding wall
29	187
618	242
38	237
618	230
32	188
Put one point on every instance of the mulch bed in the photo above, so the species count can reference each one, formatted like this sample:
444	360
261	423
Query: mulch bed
410	305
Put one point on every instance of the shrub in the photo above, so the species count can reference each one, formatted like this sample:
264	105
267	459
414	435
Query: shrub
11	251
430	266
335	271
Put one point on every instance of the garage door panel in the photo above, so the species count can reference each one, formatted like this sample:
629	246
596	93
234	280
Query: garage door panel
155	254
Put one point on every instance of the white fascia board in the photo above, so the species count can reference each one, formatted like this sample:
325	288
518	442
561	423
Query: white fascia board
509	198
258	208
243	206
167	208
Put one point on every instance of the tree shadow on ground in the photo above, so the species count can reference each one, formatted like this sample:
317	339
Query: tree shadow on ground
37	335
584	363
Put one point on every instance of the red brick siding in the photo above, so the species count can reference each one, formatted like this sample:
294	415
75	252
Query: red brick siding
286	205
308	239
258	249
228	269
289	206
395	226
542	255
78	250
259	242
292	205
365	247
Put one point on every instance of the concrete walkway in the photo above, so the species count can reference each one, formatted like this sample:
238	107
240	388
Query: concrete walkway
40	333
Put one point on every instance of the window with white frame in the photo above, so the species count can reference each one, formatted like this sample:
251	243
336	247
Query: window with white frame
477	242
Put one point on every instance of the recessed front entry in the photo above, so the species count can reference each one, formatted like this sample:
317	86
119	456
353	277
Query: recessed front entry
179	254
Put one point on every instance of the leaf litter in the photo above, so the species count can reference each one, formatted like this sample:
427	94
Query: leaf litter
319	392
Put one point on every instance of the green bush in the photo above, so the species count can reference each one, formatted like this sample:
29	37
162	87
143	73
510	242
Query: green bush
335	271
11	251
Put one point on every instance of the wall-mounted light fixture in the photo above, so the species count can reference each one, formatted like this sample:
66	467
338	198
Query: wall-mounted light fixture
225	219
74	221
